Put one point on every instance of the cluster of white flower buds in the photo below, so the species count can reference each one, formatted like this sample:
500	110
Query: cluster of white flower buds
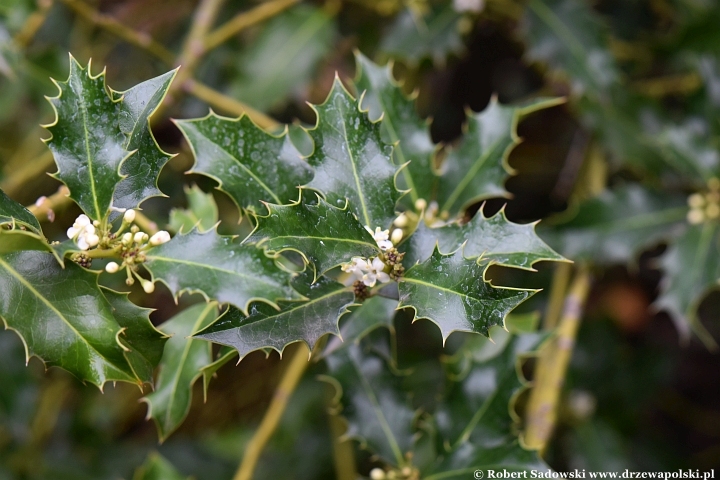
368	271
705	206
84	233
130	246
405	473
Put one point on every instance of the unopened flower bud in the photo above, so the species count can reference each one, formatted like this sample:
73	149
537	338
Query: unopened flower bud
396	236
696	200
695	217
139	237
377	474
149	287
420	204
112	267
129	216
401	221
127	238
92	240
159	238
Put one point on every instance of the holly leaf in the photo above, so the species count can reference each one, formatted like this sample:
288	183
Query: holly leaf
377	410
19	240
208	371
202	212
477	168
617	225
219	268
266	327
450	290
351	161
62	317
180	367
691	267
295	41
142	341
156	467
324	235
413	37
249	164
401	126
86	141
374	312
142	169
14	213
495	239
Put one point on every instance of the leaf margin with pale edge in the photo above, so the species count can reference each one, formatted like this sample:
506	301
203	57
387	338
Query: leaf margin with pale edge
14	213
480	268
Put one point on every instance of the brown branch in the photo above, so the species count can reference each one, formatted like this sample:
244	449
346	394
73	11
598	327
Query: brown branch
138	39
244	20
45	207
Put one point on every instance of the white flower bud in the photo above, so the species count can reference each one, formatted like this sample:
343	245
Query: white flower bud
139	237
159	238
112	267
420	204
149	287
401	221
92	240
127	238
695	217
696	200
396	236
129	216
377	474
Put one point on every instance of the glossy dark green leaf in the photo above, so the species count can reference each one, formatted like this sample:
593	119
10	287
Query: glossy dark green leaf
325	235
221	268
450	290
283	57
401	126
351	160
142	341
142	168
62	317
202	212
378	412
477	168
86	140
414	37
692	268
249	164
495	239
298	321
618	224
374	312
156	467
180	367
12	212
19	240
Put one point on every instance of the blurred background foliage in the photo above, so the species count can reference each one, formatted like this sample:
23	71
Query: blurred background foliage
643	87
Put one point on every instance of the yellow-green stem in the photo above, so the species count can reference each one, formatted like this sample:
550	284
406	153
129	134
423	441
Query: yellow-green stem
552	366
45	208
290	379
244	20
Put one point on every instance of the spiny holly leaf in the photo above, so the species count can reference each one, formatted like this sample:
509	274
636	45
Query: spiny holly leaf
295	41
202	212
141	170
450	290
477	168
495	238
143	342
692	268
156	467
414	37
266	327
12	212
86	140
62	317
324	235
476	417
220	268
208	371
618	224
401	126
377	410
180	366
351	160
249	164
